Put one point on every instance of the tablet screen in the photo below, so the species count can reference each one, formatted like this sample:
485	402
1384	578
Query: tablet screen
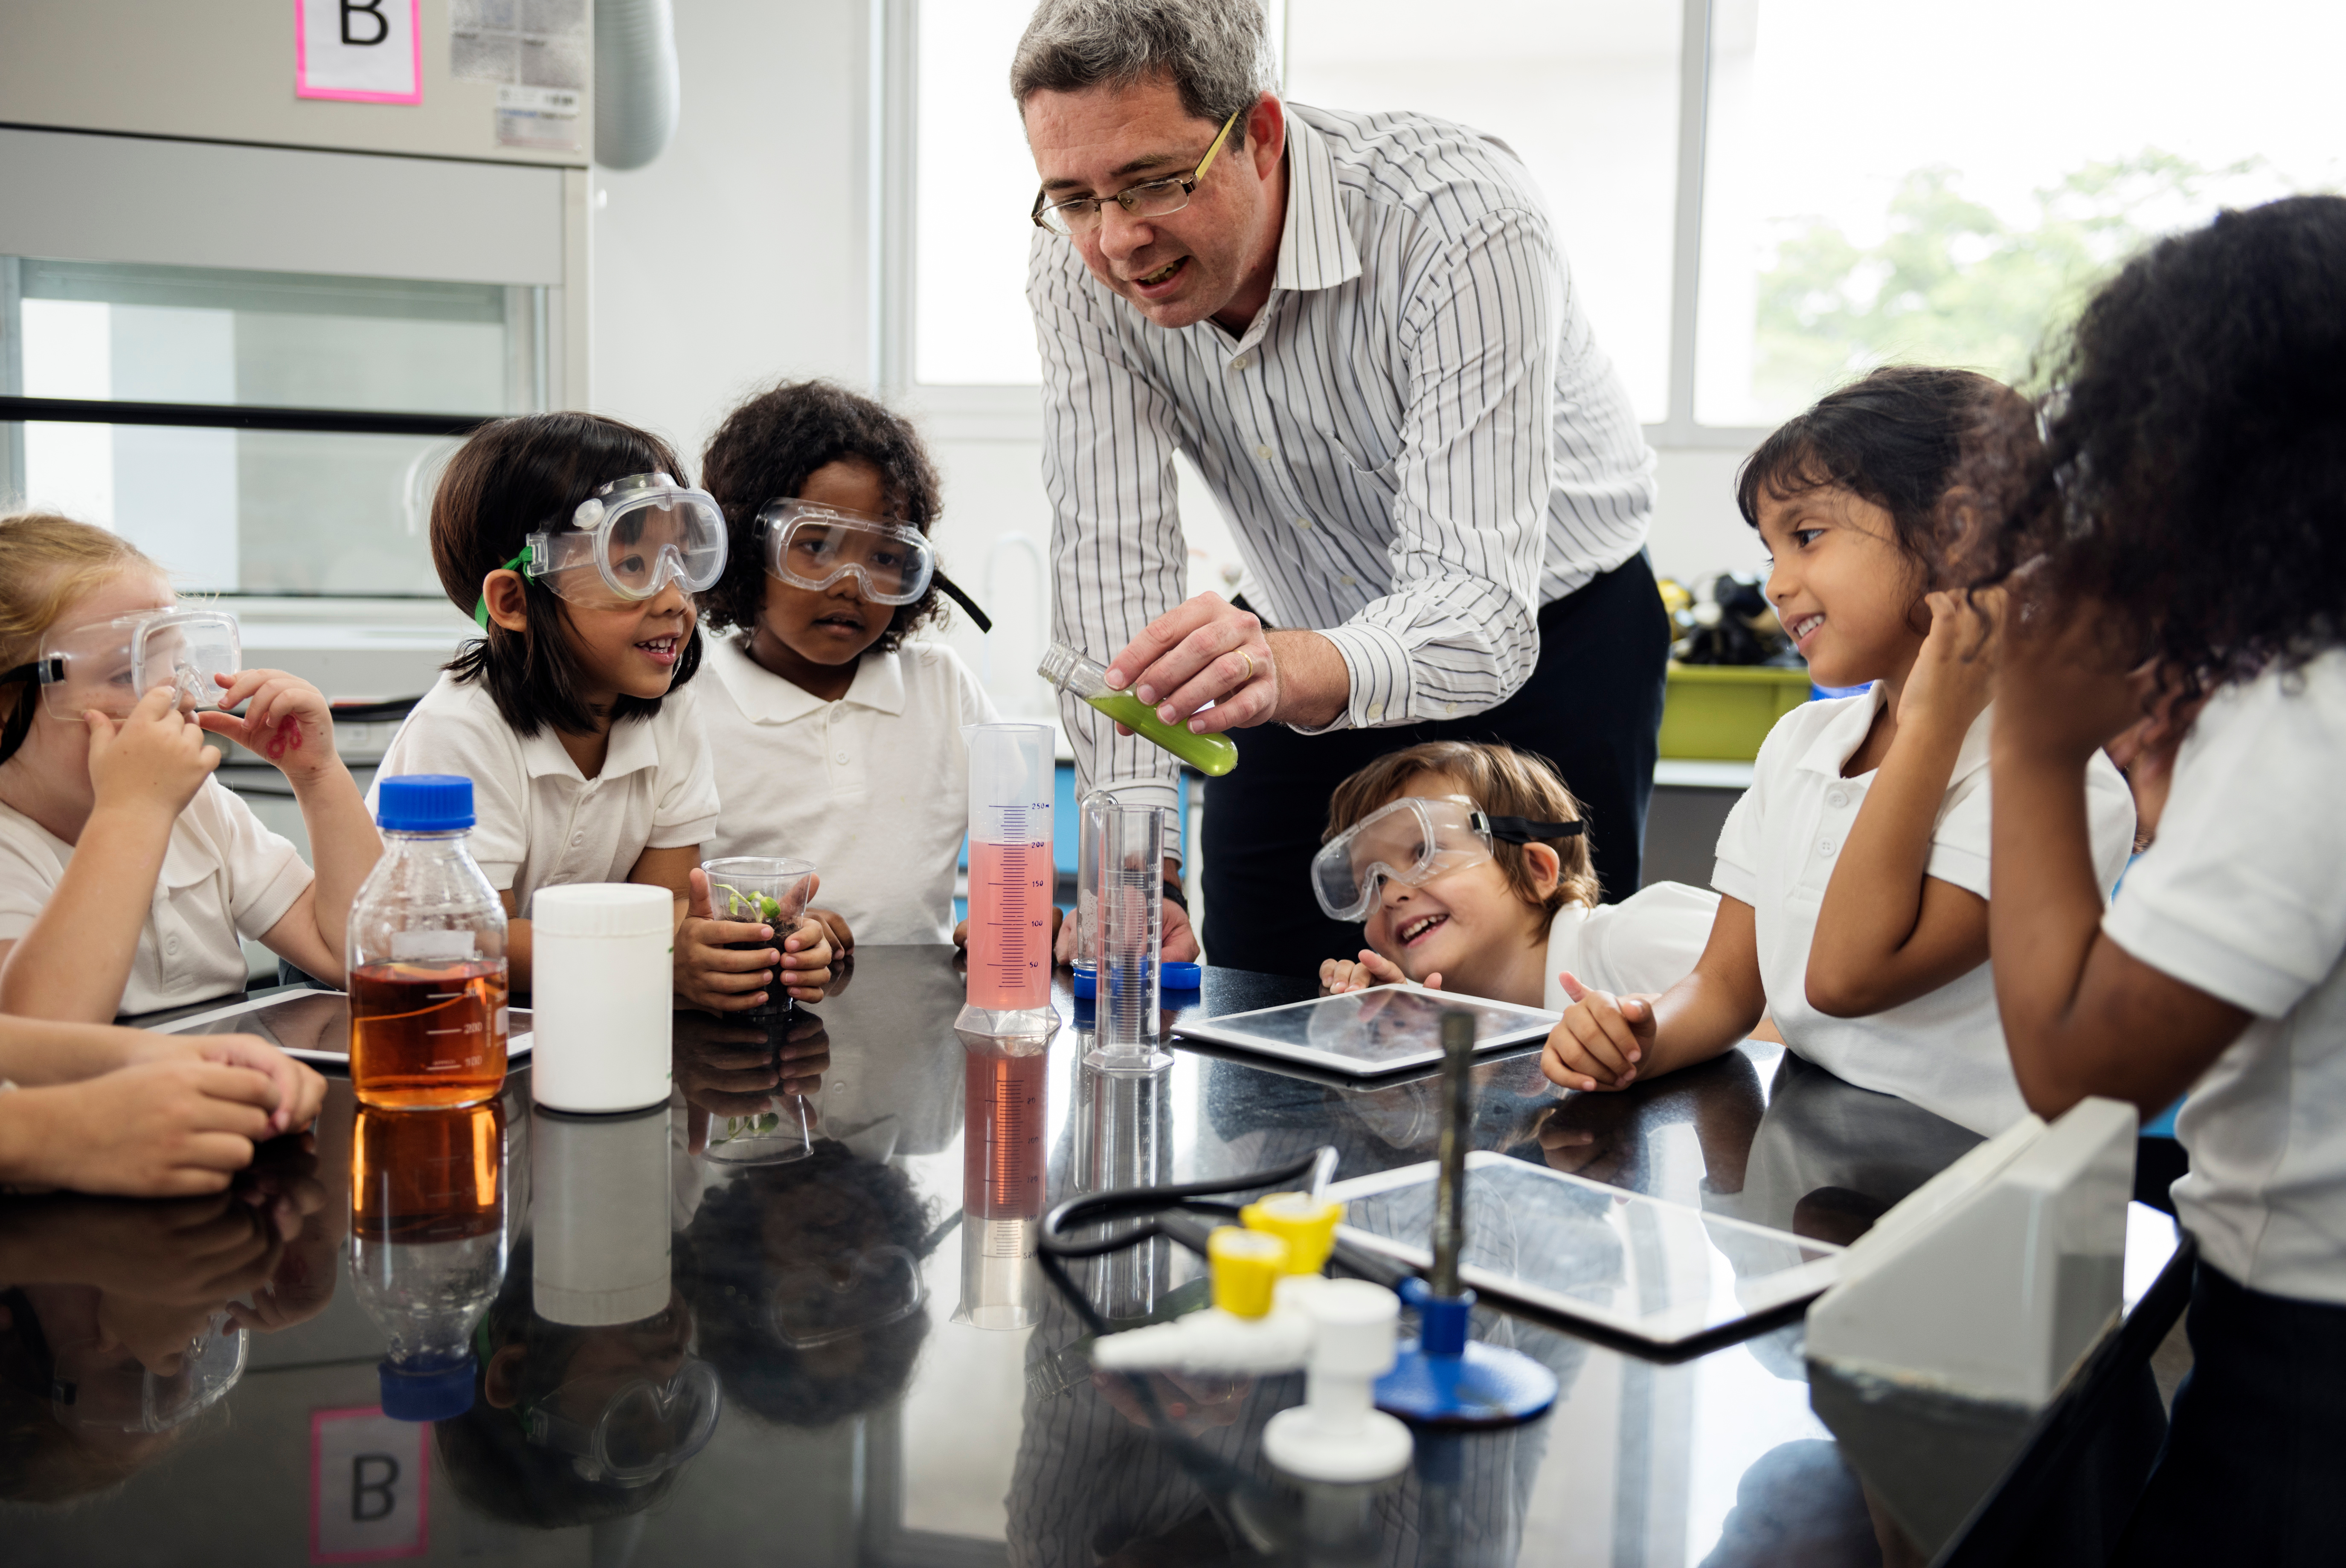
1579	1250
1380	1030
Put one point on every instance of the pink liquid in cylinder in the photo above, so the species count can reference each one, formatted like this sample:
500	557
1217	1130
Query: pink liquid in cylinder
1010	923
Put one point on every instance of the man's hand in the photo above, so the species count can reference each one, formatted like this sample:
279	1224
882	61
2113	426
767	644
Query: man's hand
1209	650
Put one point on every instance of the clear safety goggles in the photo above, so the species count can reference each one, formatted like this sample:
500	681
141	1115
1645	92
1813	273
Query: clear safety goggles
639	533
1412	841
643	1430
211	1365
810	546
110	665
812	1305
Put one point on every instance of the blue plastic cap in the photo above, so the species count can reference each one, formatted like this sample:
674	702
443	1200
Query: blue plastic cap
433	1394
1182	977
1085	982
424	803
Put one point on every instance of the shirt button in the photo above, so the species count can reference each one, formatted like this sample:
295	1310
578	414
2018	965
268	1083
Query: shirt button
839	756
1346	579
1837	800
1826	847
1263	452
171	944
1304	524
1243	363
578	839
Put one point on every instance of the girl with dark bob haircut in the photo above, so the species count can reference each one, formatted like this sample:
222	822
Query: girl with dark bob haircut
830	501
2170	580
569	540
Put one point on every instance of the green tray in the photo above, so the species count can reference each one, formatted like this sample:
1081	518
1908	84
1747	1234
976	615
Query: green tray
1725	711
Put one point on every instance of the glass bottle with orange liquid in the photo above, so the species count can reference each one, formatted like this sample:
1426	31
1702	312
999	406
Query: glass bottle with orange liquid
427	956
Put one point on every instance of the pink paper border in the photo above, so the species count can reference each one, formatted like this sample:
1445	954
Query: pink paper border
318	1420
302	89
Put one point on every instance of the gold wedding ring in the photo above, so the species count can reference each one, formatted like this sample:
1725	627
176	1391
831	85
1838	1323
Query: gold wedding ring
1249	670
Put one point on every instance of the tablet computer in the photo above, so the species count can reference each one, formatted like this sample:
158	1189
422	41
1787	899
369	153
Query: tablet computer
310	1025
1643	1267
1365	1033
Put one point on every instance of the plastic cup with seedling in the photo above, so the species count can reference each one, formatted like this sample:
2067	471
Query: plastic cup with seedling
770	889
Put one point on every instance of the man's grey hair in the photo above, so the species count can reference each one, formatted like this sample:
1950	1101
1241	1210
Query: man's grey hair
1216	52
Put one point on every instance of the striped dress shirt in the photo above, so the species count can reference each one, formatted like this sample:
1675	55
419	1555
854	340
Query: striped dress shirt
1417	439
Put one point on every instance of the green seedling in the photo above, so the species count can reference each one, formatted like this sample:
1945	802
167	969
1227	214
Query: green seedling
769	910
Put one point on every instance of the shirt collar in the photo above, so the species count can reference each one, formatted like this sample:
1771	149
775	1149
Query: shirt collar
1839	740
765	698
632	749
1315	244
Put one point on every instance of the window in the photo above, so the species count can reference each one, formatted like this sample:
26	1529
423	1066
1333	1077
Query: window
1585	92
272	498
1943	184
1874	182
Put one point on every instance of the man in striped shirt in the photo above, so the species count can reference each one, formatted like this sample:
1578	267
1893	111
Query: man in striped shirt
1362	330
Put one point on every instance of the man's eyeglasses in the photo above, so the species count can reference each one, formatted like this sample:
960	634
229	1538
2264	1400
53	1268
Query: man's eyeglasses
1149	198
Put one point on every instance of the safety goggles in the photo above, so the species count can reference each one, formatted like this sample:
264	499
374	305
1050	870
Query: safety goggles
813	1305
639	533
209	1368
643	1430
810	546
110	665
1412	841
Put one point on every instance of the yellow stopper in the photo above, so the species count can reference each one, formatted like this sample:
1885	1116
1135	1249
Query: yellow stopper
1247	1263
1307	1223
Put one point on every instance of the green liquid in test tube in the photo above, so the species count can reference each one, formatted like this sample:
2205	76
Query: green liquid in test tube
1063	667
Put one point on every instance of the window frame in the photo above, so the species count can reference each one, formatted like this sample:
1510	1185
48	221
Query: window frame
1013	412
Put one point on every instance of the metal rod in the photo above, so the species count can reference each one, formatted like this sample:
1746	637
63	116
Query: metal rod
1457	1108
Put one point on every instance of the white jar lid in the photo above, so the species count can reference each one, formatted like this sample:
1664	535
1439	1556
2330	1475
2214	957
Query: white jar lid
603	908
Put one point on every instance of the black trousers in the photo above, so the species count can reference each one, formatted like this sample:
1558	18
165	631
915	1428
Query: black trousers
2254	1469
1592	707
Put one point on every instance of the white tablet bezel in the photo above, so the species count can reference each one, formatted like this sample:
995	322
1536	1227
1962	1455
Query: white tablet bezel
516	1045
1225	1030
1756	1297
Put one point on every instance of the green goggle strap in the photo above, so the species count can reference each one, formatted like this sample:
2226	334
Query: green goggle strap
481	610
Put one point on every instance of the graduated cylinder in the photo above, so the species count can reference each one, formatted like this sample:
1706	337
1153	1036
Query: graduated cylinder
1011	880
1131	853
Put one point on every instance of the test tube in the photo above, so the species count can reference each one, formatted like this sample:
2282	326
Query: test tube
1011	880
1132	931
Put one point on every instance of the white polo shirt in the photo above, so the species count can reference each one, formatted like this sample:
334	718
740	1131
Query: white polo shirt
224	876
1943	1050
540	822
873	789
2243	895
1646	942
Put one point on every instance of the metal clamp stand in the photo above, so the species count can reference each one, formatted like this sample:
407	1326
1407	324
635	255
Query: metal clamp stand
1442	1377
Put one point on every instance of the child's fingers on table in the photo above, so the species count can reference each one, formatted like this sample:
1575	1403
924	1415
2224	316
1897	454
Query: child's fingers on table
215	1151
1603	1038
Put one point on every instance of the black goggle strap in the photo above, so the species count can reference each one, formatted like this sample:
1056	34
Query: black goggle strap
19	723
953	591
1523	831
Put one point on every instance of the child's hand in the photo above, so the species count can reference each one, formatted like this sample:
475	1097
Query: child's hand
153	762
806	959
1342	975
160	1129
842	940
1950	682
709	973
288	722
301	1090
1601	1040
2064	684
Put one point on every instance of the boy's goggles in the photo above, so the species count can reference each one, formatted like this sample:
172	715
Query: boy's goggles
642	1431
1412	841
640	534
810	546
813	1305
110	665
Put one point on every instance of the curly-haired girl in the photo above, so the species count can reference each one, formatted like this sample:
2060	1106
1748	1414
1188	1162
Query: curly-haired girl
2176	562
830	500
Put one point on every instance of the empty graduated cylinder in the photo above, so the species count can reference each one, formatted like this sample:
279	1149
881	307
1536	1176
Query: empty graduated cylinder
1132	932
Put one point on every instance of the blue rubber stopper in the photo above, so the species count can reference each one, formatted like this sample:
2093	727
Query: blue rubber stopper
1086	981
1181	976
428	1394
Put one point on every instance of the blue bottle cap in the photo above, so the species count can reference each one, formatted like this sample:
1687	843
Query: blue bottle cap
424	803
427	1394
1181	976
1086	981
